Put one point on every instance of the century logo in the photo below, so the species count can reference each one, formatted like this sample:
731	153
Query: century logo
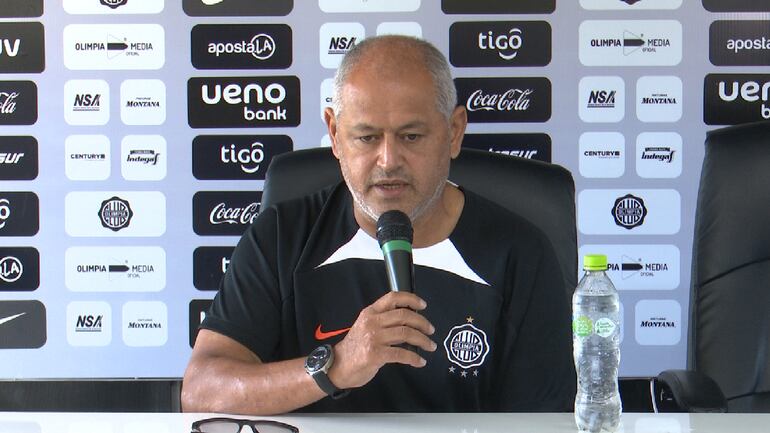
115	213
236	156
243	102
500	43
736	98
629	211
241	46
505	99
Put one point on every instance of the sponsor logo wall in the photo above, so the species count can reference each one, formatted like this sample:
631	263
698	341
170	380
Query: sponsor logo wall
135	138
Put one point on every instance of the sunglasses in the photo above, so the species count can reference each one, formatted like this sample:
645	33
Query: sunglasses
231	425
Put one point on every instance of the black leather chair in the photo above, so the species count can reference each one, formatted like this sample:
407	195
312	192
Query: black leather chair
729	338
542	193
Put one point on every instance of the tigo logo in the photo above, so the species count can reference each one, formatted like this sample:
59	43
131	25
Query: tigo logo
114	46
630	43
197	310
209	266
221	157
500	43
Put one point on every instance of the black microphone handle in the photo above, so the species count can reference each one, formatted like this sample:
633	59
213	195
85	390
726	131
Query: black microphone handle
400	270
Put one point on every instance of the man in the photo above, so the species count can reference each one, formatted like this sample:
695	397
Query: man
488	322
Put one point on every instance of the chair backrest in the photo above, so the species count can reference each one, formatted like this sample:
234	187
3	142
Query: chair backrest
730	291
542	193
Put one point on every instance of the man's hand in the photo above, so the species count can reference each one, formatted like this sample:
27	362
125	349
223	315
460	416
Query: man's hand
374	338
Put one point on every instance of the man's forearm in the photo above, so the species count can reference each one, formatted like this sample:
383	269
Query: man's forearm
217	384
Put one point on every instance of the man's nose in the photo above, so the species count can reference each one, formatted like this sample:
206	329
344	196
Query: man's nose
390	153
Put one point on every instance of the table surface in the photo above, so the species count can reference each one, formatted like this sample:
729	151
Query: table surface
50	422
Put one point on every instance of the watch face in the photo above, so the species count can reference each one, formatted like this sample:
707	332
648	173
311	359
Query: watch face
317	359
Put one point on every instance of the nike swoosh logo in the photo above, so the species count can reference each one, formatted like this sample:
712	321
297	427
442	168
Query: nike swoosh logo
9	318
320	335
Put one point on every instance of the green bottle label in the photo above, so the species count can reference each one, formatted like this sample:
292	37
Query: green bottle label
604	327
582	326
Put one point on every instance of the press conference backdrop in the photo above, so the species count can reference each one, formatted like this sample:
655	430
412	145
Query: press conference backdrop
135	134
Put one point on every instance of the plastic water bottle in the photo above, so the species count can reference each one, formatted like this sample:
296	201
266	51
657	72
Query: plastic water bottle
596	345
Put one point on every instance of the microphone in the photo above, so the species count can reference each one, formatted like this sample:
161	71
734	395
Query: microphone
395	234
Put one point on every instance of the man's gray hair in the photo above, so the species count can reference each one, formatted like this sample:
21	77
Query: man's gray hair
434	60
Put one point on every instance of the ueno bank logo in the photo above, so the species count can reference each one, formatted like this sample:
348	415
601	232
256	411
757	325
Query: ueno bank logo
220	157
500	43
22	47
242	102
114	46
18	158
505	99
224	213
739	43
730	99
630	43
498	6
241	46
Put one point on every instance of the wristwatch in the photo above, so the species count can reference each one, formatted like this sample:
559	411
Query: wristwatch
317	365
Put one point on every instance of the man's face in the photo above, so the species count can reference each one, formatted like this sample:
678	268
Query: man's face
393	144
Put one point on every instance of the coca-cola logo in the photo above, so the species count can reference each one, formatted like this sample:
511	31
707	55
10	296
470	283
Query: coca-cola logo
223	214
8	102
505	99
511	99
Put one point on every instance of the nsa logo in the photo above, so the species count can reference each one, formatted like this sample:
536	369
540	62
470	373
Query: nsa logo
115	213
466	345
114	4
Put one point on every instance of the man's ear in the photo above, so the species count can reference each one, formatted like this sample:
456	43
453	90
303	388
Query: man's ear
457	124
331	126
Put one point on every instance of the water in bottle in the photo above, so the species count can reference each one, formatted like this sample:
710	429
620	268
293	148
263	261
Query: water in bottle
596	344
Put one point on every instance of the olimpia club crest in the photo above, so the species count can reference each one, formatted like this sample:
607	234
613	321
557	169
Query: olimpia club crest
115	213
466	346
114	4
629	211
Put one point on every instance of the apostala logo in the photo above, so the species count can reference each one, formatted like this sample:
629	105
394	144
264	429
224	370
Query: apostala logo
662	154
466	345
113	4
115	213
11	269
629	211
261	46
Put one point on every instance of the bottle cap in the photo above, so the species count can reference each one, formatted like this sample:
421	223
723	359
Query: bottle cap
595	262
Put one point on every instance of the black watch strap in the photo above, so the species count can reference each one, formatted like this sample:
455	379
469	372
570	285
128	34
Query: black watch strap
328	387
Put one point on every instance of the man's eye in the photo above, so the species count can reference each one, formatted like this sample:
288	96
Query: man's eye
411	137
367	138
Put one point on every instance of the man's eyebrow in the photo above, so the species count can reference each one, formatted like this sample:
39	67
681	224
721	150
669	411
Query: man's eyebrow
413	125
364	127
